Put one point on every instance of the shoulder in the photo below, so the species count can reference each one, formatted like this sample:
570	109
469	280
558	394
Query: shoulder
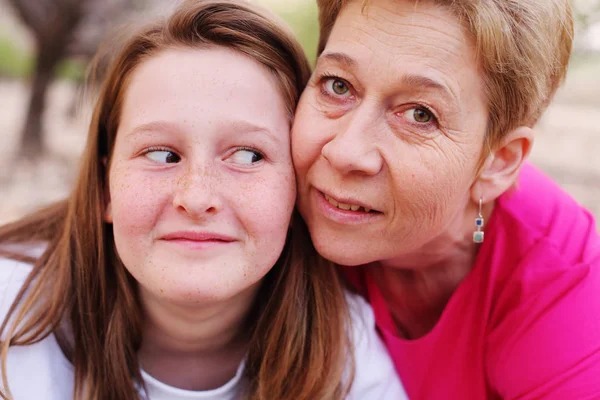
541	245
12	277
361	315
374	377
364	330
12	269
540	211
542	257
38	370
13	273
545	312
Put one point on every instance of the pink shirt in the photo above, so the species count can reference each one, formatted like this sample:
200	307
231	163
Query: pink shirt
525	323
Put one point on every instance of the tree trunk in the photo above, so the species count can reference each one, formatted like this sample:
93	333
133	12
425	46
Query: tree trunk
53	24
32	141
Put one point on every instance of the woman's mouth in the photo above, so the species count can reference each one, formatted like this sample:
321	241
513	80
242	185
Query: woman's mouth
344	206
346	211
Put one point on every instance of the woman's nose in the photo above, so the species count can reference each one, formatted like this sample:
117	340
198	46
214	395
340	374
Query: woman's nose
352	149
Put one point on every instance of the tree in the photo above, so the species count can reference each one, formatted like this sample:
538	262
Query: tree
61	28
52	24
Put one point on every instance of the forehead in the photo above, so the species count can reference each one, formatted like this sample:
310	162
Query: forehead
398	36
201	86
403	13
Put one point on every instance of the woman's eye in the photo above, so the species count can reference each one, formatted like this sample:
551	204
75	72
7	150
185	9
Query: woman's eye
246	157
163	156
337	87
420	115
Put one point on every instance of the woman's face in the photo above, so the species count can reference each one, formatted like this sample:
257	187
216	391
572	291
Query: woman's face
202	185
389	132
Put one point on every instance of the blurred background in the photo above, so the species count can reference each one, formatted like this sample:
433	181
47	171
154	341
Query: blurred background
45	46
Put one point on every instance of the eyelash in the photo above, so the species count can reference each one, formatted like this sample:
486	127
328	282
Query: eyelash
327	76
157	148
251	149
160	148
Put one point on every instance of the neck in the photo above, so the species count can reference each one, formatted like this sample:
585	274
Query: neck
195	348
418	286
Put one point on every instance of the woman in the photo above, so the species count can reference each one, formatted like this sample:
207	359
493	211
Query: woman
409	145
167	273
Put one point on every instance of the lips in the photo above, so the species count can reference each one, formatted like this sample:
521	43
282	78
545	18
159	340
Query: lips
194	236
349	204
344	206
343	216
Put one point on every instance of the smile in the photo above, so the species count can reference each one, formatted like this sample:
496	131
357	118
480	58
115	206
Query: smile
346	211
197	240
343	206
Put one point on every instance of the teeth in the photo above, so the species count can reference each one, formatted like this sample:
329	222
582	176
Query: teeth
346	207
331	201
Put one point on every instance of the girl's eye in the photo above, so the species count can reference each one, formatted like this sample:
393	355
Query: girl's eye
337	87
420	115
163	156
246	157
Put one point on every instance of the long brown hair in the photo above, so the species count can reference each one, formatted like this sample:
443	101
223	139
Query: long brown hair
79	291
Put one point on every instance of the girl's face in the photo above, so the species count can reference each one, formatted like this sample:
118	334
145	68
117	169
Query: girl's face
201	179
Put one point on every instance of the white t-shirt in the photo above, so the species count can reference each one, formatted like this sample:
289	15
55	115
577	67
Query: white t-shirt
41	371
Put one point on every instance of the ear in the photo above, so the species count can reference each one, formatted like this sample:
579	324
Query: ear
107	214
501	168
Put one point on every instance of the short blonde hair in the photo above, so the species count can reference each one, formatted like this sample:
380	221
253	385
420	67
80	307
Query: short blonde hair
523	46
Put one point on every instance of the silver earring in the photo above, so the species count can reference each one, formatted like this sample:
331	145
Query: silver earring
478	234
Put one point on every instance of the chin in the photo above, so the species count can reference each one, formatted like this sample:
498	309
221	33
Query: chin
345	255
197	299
196	293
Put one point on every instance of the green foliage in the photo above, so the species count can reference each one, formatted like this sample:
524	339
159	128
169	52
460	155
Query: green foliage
14	63
304	22
71	69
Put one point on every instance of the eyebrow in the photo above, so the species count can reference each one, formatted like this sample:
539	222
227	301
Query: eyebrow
423	81
340	58
154	126
171	127
248	127
406	80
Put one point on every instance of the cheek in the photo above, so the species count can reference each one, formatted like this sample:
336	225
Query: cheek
136	201
430	187
307	138
265	207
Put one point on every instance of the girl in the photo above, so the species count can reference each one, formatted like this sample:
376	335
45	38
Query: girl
171	271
